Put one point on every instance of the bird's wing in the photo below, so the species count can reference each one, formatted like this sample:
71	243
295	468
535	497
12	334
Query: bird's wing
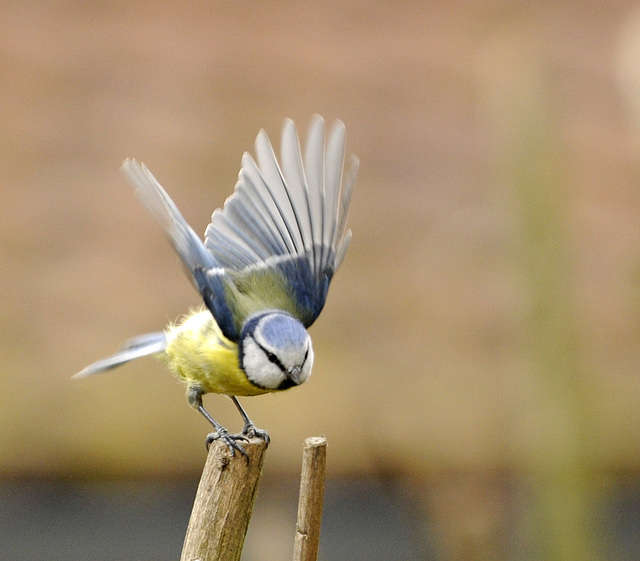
281	235
185	241
279	238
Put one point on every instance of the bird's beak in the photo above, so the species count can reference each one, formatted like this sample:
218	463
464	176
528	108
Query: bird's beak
294	374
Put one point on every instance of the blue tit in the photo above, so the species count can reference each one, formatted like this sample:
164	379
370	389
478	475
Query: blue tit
263	272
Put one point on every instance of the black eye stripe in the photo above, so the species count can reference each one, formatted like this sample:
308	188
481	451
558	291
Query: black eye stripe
272	357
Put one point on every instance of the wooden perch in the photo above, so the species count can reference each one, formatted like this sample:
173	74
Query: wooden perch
225	497
224	503
314	461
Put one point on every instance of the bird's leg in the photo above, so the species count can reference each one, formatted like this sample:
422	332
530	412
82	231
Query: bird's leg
249	428
194	397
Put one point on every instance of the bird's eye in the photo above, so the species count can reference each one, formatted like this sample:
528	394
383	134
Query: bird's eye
272	357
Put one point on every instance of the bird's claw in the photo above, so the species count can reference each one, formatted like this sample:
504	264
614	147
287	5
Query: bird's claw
251	431
229	439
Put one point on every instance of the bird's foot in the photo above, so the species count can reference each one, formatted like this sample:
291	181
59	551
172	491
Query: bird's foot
229	439
251	431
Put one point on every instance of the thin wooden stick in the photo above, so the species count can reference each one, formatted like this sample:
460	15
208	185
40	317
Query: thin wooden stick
314	461
223	503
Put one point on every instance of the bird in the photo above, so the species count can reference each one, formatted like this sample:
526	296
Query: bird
263	271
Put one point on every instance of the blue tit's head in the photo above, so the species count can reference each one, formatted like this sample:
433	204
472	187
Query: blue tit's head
275	351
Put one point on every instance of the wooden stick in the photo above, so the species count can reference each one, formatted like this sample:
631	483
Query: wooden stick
223	503
314	461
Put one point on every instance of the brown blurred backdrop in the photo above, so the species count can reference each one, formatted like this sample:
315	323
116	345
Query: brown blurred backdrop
477	371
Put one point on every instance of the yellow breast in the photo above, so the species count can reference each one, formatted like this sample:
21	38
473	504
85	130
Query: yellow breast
197	351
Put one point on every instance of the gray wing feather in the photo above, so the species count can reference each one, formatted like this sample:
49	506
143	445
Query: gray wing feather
235	224
296	208
235	247
246	231
287	219
252	208
314	171
334	161
293	174
253	190
185	241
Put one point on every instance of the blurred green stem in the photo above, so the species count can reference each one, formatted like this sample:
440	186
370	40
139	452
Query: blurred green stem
548	441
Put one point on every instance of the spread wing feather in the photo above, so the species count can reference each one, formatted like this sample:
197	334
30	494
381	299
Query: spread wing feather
280	237
185	241
293	174
314	171
274	183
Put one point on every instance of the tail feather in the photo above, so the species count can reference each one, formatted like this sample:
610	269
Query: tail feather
140	346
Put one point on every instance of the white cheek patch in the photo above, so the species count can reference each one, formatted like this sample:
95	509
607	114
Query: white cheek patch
258	368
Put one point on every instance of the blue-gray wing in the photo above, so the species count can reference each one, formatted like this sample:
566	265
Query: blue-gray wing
279	238
185	241
287	220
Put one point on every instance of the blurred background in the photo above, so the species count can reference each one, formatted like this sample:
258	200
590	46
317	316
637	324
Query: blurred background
477	363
